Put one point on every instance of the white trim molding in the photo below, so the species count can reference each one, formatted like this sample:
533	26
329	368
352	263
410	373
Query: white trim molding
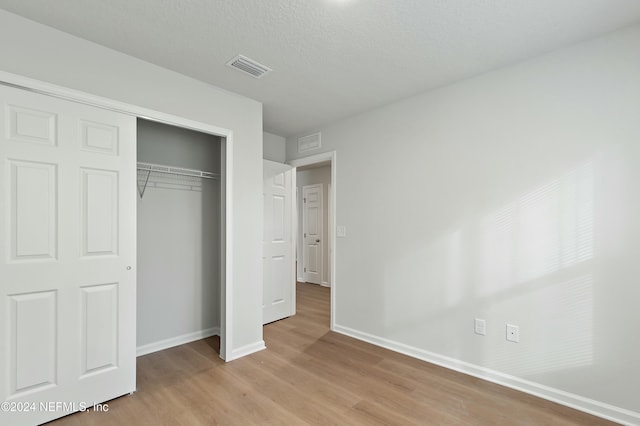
44	88
319	158
176	341
246	350
226	273
596	408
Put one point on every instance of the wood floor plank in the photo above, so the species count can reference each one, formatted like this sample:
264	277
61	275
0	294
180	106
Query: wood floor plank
309	375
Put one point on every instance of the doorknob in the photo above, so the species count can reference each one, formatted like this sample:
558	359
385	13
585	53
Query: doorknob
317	241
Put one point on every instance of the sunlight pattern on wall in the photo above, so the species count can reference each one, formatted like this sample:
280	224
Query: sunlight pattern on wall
543	231
534	254
529	262
567	343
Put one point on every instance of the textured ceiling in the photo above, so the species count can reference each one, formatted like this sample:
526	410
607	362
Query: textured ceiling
331	58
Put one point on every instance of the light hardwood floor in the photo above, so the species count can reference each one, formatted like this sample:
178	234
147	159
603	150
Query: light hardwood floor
309	375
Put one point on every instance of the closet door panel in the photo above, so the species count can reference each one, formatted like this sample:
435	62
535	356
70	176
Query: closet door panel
99	137
68	252
32	205
30	125
99	210
33	329
100	327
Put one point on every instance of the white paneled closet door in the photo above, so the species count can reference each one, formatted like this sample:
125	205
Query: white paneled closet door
67	256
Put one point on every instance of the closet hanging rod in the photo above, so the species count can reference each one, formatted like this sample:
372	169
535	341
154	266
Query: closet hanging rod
159	168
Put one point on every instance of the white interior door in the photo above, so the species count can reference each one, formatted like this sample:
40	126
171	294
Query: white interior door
67	256
278	260
312	233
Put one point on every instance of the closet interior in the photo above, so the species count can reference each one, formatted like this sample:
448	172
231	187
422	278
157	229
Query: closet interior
178	233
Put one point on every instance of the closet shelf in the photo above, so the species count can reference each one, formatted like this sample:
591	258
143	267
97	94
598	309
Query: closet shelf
159	168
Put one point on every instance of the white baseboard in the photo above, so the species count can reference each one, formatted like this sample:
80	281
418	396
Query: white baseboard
176	341
325	284
600	409
246	350
300	279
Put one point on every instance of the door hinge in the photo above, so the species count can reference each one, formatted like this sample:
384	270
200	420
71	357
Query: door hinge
305	269
305	199
305	235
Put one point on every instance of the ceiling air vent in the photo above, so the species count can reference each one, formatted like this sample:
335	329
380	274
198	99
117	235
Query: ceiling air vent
309	142
249	66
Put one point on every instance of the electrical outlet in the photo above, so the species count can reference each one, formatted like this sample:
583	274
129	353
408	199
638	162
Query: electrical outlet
480	326
513	333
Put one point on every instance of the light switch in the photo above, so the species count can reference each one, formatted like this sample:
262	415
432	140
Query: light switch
342	231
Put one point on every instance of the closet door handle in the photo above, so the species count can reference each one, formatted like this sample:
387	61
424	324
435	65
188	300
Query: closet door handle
128	268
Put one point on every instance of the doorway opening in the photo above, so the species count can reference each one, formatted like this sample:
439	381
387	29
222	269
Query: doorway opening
179	244
315	183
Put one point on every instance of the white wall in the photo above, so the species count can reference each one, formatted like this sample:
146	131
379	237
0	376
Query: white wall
174	146
511	197
45	54
273	147
178	239
319	175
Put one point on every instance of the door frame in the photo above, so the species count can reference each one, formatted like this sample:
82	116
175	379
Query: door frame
314	159
226	173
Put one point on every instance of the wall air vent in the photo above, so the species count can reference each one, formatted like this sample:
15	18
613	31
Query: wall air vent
249	66
309	142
